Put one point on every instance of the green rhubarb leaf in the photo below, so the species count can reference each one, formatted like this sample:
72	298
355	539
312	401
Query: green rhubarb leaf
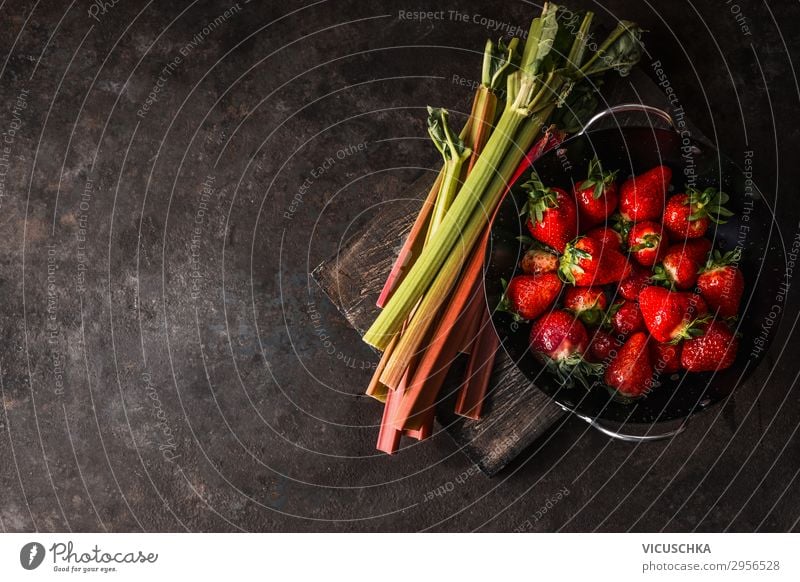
547	36
621	51
498	61
449	144
577	105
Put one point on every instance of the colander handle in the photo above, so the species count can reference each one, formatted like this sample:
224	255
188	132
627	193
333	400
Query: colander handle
624	107
627	437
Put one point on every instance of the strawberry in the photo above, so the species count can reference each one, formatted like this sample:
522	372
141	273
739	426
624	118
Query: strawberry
642	197
721	283
558	335
696	249
630	374
560	340
712	351
585	263
607	237
689	215
625	318
587	303
596	196
700	306
528	296
677	270
631	286
552	215
603	346
647	242
671	315
536	261
666	357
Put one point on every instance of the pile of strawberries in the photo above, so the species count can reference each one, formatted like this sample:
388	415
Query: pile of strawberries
621	283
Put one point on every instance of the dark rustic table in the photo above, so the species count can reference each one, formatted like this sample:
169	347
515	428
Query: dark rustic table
170	174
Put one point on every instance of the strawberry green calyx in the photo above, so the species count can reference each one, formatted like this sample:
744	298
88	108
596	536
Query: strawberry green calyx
716	259
708	203
573	368
505	303
608	316
597	178
693	329
569	263
540	199
592	315
662	277
649	241
622	225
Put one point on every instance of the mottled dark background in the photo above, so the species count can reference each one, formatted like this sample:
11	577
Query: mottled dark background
138	395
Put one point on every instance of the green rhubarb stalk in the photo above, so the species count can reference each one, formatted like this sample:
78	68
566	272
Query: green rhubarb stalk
414	334
441	243
483	124
440	247
497	63
498	60
454	153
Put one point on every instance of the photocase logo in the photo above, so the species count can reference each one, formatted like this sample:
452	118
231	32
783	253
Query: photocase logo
31	555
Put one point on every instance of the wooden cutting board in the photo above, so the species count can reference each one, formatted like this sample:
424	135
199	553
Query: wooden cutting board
516	413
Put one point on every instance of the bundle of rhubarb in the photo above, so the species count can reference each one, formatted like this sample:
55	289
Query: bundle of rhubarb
621	283
432	303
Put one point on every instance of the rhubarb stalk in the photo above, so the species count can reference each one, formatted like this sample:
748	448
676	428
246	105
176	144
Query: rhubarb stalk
498	60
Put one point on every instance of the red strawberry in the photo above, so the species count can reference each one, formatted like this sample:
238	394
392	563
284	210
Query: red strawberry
560	340
631	372
631	286
647	242
587	303
678	270
552	215
537	261
585	263
722	284
642	197
607	236
712	351
666	357
625	317
528	296
689	215
596	196
670	315
700	306
696	249
559	335
603	346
